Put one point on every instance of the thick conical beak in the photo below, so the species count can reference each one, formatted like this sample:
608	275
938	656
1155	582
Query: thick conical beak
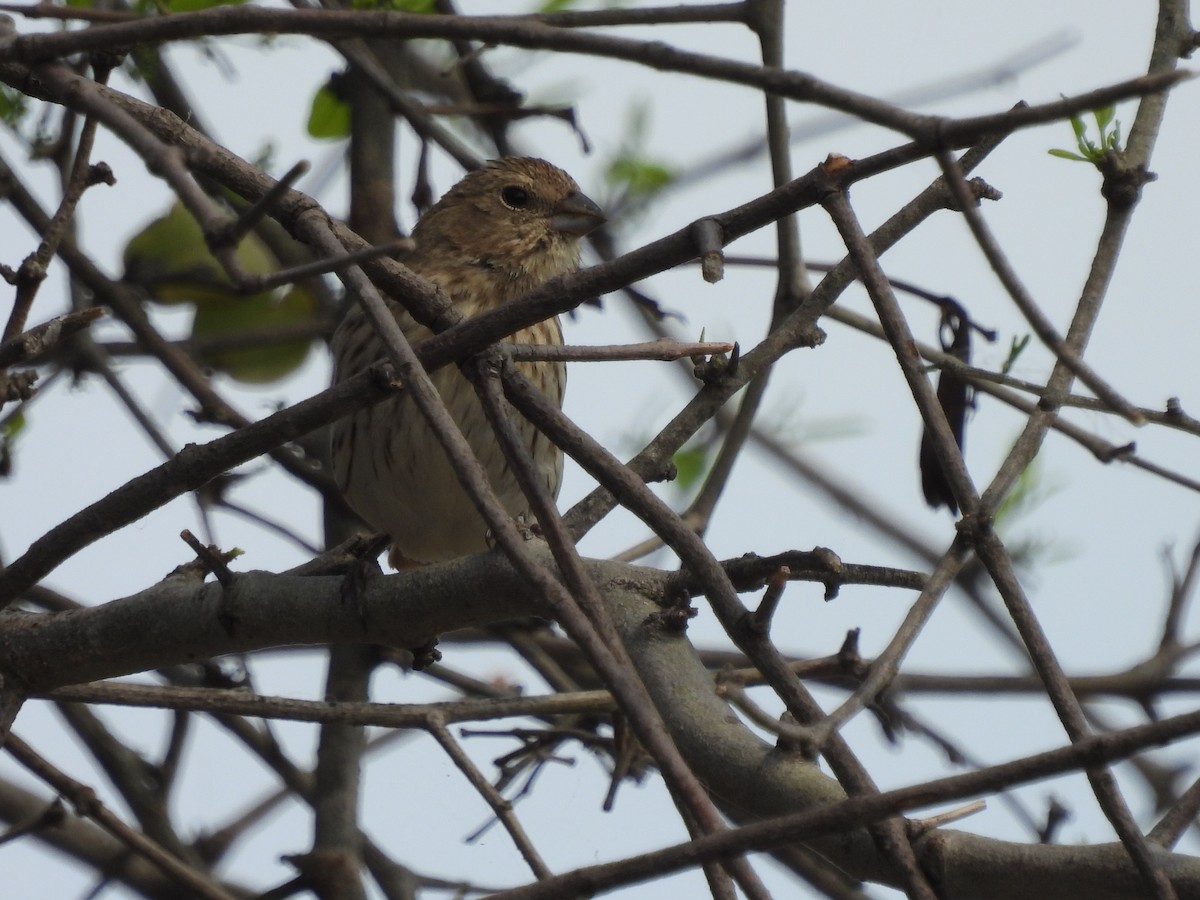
577	214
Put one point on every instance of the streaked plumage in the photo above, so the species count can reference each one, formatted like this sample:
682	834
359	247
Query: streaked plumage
502	230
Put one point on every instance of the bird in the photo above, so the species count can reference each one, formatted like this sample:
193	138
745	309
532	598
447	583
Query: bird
502	230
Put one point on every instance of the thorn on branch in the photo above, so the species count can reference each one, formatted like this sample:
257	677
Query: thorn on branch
675	614
919	827
211	559
718	368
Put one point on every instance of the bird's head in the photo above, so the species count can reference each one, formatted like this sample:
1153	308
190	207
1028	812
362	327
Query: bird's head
519	218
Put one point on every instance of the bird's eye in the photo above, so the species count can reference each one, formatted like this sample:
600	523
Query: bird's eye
516	197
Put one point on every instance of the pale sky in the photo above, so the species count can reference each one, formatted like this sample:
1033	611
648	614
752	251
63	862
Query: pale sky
1098	592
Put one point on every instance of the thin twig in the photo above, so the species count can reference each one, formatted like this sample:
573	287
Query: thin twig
665	349
232	233
212	558
88	805
252	284
501	808
1182	814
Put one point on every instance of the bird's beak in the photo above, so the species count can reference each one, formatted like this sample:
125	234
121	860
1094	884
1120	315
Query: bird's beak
577	214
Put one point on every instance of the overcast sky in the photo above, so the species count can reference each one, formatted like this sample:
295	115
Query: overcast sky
1097	589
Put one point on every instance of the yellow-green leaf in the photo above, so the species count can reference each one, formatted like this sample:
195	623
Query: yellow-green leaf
641	177
690	465
13	106
329	116
161	6
255	315
170	259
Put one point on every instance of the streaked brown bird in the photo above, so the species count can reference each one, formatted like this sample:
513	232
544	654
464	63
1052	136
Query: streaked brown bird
504	229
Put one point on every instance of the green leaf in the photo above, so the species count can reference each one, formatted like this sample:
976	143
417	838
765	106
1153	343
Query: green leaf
690	465
1078	127
329	116
1089	150
260	313
13	106
553	6
631	170
420	7
1025	494
12	426
1067	154
640	177
171	261
1016	349
1030	550
196	5
1114	138
9	428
